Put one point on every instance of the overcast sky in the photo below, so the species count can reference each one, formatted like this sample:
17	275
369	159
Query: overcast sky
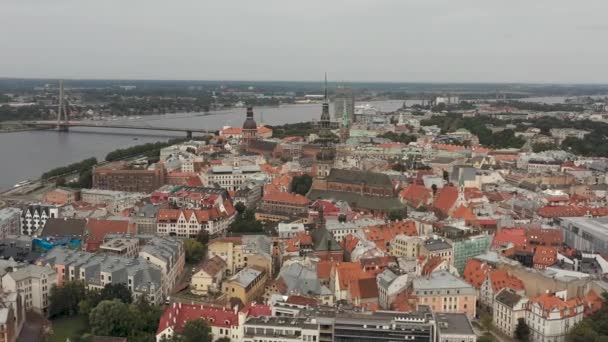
353	40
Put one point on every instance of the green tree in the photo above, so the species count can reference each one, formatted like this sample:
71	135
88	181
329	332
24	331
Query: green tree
110	318
582	332
540	147
118	291
395	215
196	330
486	321
240	208
434	188
65	299
301	184
486	338
195	251
522	330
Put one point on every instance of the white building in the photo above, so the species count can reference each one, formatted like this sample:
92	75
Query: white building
10	219
229	177
281	329
389	286
33	283
289	230
34	217
551	317
508	308
405	246
340	230
117	201
188	223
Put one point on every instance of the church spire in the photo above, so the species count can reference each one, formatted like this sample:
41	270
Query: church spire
326	87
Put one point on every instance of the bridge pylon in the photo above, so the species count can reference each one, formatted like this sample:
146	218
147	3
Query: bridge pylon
62	115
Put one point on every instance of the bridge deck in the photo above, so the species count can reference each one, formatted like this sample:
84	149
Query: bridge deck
149	128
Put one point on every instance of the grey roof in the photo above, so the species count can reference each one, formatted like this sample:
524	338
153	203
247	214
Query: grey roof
31	271
454	324
302	280
440	280
38	208
442	160
64	227
263	145
359	177
508	298
356	200
148	210
9	212
324	241
257	244
432	245
386	278
146	276
245	276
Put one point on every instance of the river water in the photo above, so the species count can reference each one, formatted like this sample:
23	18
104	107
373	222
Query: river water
26	155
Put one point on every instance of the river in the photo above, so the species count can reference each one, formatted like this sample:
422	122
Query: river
26	155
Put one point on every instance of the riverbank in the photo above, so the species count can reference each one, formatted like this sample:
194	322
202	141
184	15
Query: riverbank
15	127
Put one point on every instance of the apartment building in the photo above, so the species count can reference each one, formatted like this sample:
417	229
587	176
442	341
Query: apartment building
34	217
280	329
10	219
143	278
551	317
116	201
168	254
508	308
229	177
247	285
405	246
285	203
126	176
33	283
445	293
238	252
454	327
189	222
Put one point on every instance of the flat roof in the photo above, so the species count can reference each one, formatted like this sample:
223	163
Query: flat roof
454	324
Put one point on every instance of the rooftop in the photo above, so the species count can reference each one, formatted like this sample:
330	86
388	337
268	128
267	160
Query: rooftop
440	280
454	324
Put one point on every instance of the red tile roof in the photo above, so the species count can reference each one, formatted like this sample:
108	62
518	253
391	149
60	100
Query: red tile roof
445	199
431	265
301	300
381	235
97	230
287	198
571	211
324	268
194	181
517	236
545	256
363	288
592	302
349	243
545	237
550	303
501	279
475	272
178	314
464	213
416	195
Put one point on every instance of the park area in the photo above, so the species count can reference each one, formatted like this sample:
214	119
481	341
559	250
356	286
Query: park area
68	327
